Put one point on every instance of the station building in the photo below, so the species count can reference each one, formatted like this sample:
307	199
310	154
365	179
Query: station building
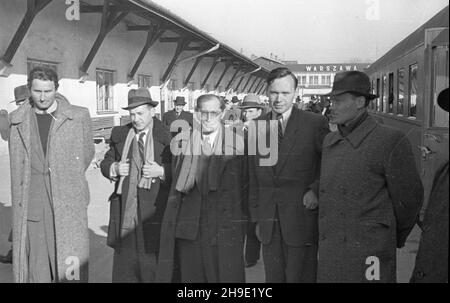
103	48
317	79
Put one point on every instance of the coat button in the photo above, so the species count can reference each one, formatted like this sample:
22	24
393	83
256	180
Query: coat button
20	204
322	191
322	237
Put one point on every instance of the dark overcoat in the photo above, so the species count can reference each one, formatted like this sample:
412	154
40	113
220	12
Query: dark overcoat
231	211
171	116
155	198
369	199
432	258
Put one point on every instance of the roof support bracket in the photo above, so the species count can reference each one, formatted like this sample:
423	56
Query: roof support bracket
194	67
33	8
238	68
258	85
152	36
216	61
181	46
228	64
110	18
251	86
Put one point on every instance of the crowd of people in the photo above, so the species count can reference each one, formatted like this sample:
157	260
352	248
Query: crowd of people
333	208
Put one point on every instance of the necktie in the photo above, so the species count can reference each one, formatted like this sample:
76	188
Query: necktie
280	128
207	150
141	145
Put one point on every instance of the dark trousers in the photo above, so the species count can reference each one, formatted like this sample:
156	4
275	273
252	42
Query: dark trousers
284	263
132	264
252	244
40	247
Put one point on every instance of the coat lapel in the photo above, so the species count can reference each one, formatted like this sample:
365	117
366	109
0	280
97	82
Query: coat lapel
22	118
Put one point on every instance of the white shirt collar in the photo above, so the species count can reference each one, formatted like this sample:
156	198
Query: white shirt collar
287	114
212	137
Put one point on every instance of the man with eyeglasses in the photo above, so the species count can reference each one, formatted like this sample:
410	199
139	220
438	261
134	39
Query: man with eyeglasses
205	217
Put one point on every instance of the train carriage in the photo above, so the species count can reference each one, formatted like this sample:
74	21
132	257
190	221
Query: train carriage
408	79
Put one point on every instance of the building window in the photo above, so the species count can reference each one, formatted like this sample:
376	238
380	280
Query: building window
412	94
311	80
303	80
328	80
378	100
316	80
323	80
31	63
105	92
144	81
400	90
390	103
384	102
440	81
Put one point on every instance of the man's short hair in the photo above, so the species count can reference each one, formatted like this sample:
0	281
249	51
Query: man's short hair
43	73
281	72
207	97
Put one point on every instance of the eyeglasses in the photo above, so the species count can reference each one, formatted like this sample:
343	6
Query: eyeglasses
208	115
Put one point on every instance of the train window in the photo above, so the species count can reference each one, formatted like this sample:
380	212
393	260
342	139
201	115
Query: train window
378	102
400	90
384	96
412	105
440	82
390	99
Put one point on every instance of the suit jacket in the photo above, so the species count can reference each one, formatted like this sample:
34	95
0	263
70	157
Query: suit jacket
171	116
153	201
282	187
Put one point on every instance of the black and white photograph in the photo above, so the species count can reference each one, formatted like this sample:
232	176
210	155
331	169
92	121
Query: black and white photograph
234	144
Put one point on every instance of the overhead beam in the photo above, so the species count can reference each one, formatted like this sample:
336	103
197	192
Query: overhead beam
33	8
246	83
177	39
152	37
216	61
257	86
253	83
110	18
238	68
182	44
228	64
239	83
118	7
262	88
194	67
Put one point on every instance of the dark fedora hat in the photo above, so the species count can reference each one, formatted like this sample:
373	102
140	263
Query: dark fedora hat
443	99
179	100
234	99
21	93
138	97
251	101
351	82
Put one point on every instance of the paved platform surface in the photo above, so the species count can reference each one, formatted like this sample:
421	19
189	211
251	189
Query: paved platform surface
100	267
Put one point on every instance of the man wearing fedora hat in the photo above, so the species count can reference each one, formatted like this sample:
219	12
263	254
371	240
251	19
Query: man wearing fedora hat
138	161
50	148
432	257
232	112
21	93
370	191
177	114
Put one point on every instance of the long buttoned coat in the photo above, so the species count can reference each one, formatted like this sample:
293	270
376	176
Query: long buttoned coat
230	209
369	199
70	151
153	201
